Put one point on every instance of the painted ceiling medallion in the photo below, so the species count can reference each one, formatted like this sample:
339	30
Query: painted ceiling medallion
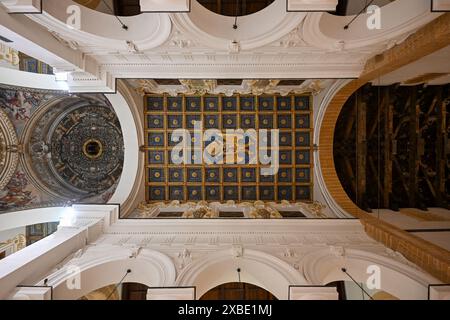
87	148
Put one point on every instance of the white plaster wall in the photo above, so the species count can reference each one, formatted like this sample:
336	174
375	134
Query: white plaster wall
131	143
14	77
205	253
17	219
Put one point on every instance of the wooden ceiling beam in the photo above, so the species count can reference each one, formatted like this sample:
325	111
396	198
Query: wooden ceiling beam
428	39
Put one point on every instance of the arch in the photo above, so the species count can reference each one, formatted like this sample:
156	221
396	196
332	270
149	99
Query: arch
132	131
98	270
207	27
102	30
322	109
324	266
257	268
327	31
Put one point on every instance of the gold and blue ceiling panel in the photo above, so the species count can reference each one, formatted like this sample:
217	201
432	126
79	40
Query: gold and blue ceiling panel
291	114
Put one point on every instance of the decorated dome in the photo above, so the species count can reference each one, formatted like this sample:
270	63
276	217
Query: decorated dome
76	148
87	148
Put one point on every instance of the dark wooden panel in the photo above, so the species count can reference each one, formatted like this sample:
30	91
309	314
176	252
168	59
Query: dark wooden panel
405	144
134	291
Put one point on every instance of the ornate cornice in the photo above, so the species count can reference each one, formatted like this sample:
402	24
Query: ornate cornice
9	156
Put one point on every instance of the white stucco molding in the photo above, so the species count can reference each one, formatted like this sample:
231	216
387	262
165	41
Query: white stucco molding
31	263
326	31
324	266
227	70
96	248
255	30
221	267
101	31
30	38
99	267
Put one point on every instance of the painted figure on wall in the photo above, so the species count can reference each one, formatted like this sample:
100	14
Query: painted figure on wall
17	193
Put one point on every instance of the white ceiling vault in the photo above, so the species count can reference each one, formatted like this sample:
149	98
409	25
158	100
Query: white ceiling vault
270	44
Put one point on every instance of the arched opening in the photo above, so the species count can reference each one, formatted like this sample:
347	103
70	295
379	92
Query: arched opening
332	31
255	267
219	31
151	269
238	291
382	273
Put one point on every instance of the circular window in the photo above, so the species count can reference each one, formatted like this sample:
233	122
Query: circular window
235	7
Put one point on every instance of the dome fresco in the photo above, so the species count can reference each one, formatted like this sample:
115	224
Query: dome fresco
87	149
69	148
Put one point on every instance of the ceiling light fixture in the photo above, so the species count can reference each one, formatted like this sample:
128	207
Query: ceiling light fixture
356	17
235	26
124	26
117	285
344	270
